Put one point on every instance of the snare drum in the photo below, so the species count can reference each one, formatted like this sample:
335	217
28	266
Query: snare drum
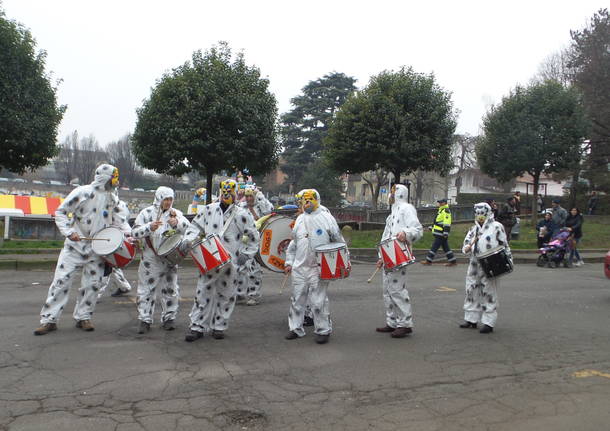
275	234
333	261
209	254
173	249
495	262
395	254
111	245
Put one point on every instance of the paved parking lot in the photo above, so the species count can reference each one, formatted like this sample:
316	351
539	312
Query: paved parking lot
546	366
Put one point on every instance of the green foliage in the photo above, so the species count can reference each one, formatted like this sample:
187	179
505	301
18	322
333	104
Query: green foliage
305	126
535	129
590	58
402	121
318	175
29	114
211	114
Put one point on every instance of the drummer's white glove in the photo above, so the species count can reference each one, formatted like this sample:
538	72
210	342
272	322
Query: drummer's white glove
242	259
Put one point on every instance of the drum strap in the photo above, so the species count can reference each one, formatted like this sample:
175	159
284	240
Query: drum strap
226	224
149	243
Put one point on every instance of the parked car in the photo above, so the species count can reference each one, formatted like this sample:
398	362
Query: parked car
4	180
138	189
56	183
38	182
362	205
19	180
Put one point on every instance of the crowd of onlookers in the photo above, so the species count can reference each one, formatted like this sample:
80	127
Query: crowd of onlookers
555	220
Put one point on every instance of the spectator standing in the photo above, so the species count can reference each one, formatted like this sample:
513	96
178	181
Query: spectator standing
517	196
592	204
559	215
574	224
506	216
545	229
540	203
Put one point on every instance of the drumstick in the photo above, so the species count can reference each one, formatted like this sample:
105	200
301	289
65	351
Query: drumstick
95	239
374	273
284	282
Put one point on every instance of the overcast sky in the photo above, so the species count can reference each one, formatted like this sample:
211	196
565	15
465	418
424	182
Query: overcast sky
109	53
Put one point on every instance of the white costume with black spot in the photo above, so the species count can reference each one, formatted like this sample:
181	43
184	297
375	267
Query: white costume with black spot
403	218
215	292
481	299
310	231
253	276
116	276
155	271
92	208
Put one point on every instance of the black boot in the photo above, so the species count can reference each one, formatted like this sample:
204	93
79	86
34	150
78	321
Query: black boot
322	339
291	336
192	335
486	329
143	328
468	324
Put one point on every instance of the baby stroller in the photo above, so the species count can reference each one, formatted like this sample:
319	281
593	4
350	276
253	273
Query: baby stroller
557	251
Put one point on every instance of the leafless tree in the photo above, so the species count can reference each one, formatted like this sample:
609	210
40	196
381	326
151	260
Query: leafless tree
65	164
121	155
556	67
464	156
375	180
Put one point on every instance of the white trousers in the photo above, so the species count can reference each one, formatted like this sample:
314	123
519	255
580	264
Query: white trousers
396	299
306	284
214	300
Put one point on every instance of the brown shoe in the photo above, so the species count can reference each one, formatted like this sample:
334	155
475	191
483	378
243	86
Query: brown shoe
401	332
85	325
426	262
451	264
45	328
386	328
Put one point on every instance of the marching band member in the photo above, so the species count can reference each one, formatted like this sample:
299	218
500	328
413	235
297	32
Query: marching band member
313	228
215	292
152	225
258	206
481	299
115	275
93	207
403	224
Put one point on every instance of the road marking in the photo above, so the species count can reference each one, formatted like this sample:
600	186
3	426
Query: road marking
445	289
590	373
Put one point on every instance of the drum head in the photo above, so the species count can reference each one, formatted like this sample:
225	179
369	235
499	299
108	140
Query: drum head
333	246
490	252
114	238
276	234
169	243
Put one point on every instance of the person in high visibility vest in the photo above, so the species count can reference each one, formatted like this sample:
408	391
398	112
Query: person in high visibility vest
440	230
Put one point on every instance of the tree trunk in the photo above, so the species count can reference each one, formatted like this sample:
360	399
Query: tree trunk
208	184
396	176
573	188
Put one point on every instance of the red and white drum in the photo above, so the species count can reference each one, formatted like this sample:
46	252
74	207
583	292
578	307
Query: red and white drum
275	233
173	249
113	247
333	261
209	254
395	254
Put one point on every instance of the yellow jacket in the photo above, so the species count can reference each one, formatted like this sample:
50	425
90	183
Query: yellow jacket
442	223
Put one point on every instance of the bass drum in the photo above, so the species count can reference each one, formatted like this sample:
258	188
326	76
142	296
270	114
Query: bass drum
275	233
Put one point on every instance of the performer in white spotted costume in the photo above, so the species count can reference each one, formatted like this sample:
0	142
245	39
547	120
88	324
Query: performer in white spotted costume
93	207
403	224
215	291
481	297
251	283
155	272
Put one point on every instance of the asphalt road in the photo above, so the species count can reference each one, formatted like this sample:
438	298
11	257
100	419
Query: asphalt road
545	367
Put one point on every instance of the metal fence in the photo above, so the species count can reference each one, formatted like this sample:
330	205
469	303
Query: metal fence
425	215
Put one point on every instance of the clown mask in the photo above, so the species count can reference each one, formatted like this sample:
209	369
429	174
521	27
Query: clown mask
310	201
227	192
